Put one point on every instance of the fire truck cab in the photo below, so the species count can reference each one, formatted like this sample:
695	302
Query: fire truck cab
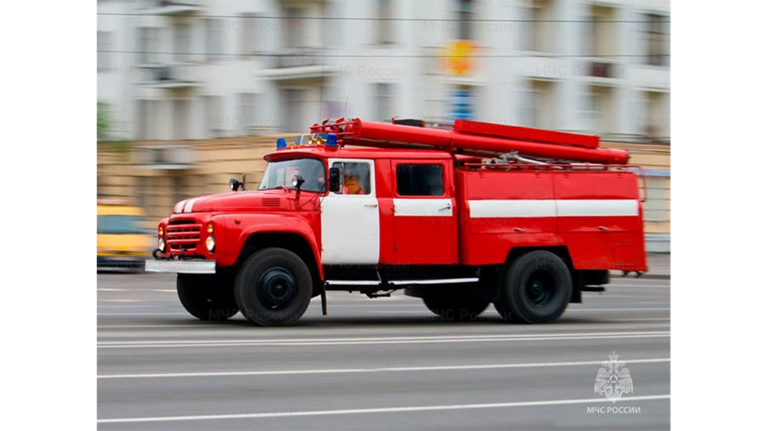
461	217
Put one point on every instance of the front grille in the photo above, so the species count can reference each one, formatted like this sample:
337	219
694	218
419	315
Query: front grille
183	234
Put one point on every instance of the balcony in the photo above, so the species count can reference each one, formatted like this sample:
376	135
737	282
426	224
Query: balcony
298	63
171	8
173	76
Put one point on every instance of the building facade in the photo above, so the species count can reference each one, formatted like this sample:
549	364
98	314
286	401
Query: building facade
180	75
205	69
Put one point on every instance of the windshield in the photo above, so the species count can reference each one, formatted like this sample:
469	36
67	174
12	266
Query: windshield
280	174
118	224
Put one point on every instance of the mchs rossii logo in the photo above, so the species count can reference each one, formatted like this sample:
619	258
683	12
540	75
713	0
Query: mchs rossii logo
613	379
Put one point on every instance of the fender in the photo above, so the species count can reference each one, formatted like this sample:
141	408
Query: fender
240	227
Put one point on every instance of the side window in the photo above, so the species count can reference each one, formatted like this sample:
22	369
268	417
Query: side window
420	180
355	177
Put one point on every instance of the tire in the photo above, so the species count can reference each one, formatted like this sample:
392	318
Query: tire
202	298
273	287
535	288
455	304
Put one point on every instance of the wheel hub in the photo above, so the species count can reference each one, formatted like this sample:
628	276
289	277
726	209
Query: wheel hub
277	288
540	289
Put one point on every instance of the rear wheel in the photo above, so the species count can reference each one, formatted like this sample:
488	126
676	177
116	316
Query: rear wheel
273	287
455	304
203	298
535	288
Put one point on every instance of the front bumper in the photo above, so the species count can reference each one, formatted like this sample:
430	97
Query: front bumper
119	262
181	266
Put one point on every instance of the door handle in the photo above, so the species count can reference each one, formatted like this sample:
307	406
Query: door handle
519	229
445	208
603	228
371	205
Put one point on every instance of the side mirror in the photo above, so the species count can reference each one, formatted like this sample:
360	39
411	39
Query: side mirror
234	185
333	181
298	180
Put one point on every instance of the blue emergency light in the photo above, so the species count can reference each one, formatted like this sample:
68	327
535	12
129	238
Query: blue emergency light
281	144
330	140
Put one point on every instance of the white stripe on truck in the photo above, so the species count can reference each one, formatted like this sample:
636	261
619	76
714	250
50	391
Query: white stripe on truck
509	208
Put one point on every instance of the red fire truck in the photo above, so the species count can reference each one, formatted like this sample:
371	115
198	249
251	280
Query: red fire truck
460	215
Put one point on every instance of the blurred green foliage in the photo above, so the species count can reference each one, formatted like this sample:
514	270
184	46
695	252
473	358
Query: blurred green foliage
102	121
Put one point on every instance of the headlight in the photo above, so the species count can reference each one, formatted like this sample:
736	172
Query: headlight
210	243
161	244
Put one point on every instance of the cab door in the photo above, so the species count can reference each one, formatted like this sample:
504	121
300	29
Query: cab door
425	215
350	218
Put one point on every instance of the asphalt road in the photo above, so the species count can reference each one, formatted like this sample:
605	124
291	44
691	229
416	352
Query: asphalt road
381	364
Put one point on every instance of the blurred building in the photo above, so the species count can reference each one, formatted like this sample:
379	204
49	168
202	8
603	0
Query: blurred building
173	72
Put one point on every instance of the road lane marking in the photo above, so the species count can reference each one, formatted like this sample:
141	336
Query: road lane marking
379	410
578	310
372	370
117	315
617	309
381	340
189	325
109	289
642	286
120	301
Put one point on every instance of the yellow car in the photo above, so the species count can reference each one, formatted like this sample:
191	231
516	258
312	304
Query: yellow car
121	240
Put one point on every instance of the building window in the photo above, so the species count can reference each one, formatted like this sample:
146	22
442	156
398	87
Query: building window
182	42
147	118
295	30
181	119
149	41
656	128
589	111
214	44
420	180
545	31
536	105
527	106
249	36
658	40
383	101
539	32
248	112
104	46
599	110
385	24
465	20
602	32
214	123
293	103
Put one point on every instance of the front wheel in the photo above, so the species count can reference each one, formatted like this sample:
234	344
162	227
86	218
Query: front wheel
202	298
536	288
273	287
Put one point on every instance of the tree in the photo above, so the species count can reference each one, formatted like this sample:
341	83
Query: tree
102	121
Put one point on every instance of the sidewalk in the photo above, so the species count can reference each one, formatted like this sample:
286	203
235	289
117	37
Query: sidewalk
658	267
